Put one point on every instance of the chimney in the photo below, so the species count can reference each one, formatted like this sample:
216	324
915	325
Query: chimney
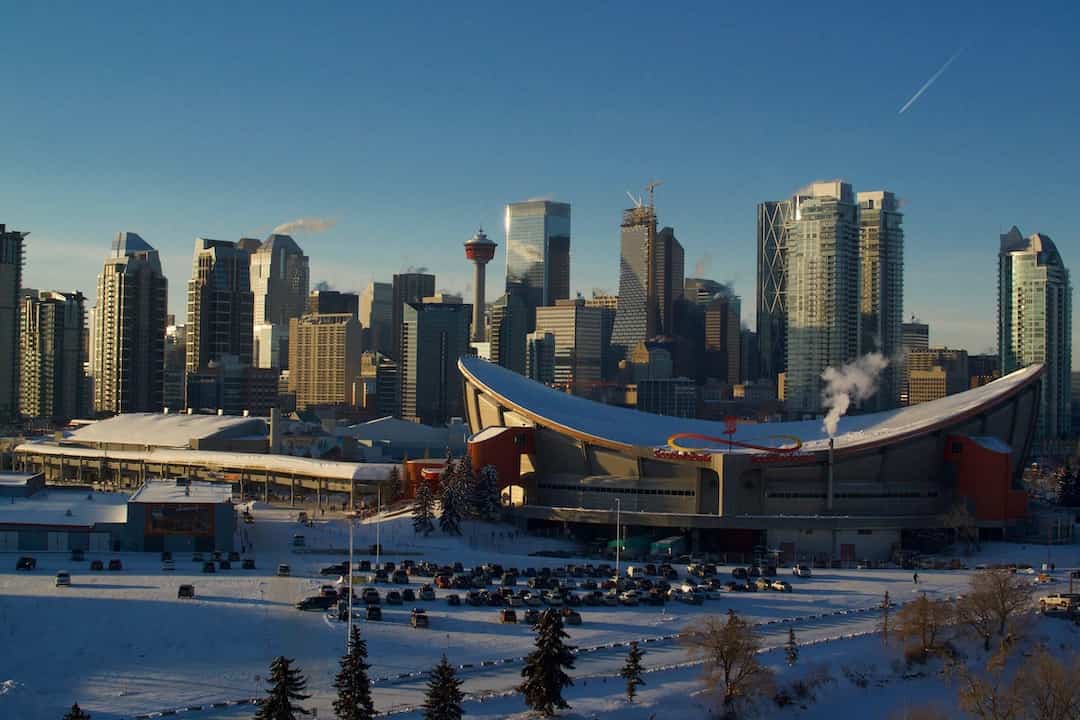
829	490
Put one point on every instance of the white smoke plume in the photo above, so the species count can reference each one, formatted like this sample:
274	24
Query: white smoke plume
305	225
701	266
856	381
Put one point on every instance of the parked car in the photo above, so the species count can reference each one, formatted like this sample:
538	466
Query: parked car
572	599
408	595
571	617
552	598
418	618
283	570
63	579
248	564
209	567
381	576
802	571
400	577
370	596
763	583
781	585
393	598
77	555
341	568
115	565
1060	602
329	591
453	599
531	616
427	592
97	565
374	612
507	615
317	602
365	566
224	565
168	566
738	573
753	572
216	555
27	563
185	592
629	597
731	586
234	556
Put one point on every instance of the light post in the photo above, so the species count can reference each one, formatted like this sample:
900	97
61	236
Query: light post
378	524
618	538
348	626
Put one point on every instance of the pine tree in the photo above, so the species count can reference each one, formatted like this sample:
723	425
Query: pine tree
76	713
396	488
423	510
544	667
443	699
287	685
631	671
450	500
467	487
352	683
791	648
489	500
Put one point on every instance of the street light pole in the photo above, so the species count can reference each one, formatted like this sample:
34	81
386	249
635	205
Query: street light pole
378	524
618	537
348	626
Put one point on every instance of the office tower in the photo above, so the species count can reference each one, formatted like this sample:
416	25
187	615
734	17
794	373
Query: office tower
985	369
1035	322
479	250
577	331
229	387
538	252
650	280
434	335
540	357
607	305
11	262
279	284
822	290
701	291
408	288
173	385
771	290
676	397
129	329
377	316
509	323
881	289
387	387
914	335
53	384
749	368
939	371
333	302
324	359
220	312
650	361
1076	399
723	338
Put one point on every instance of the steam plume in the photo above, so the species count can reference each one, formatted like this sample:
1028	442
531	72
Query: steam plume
305	225
854	381
701	266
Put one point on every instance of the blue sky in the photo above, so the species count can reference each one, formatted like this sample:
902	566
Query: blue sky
411	124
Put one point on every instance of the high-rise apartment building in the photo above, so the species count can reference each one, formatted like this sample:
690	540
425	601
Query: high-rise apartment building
823	310
220	304
540	357
434	335
174	382
11	262
411	287
324	359
881	289
53	383
651	278
279	284
1035	322
538	252
127	363
771	289
509	323
377	316
577	331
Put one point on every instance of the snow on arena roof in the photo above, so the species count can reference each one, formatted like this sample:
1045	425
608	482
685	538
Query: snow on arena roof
161	430
623	426
64	507
168	491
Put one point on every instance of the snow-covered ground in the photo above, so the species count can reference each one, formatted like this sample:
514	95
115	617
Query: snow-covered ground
121	643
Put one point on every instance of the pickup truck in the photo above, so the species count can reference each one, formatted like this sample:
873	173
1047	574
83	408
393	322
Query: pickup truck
1060	602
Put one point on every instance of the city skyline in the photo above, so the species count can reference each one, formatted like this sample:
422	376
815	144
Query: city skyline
942	156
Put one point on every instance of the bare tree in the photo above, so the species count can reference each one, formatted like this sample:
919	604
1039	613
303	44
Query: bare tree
886	610
922	622
1049	686
963	524
1007	594
729	649
976	612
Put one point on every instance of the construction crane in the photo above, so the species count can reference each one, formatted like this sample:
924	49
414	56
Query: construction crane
650	187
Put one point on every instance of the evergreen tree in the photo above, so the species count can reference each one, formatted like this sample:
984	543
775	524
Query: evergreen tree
443	699
352	684
467	486
489	500
396	489
423	509
287	685
450	500
544	676
791	648
76	713
631	671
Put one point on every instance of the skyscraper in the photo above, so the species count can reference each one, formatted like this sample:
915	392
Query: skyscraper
279	284
333	302
1035	322
324	359
914	335
220	304
538	252
509	320
822	289
127	364
723	338
377	316
651	276
433	336
577	331
53	384
540	357
881	289
11	262
771	291
411	287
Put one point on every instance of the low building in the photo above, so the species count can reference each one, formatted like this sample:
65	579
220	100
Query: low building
181	516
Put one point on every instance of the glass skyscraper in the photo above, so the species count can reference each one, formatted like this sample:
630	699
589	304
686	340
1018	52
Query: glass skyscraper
538	253
1035	322
772	245
881	290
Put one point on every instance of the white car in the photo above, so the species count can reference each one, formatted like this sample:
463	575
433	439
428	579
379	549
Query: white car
801	571
63	579
630	597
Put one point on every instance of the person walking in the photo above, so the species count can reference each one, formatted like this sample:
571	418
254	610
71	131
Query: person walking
915	578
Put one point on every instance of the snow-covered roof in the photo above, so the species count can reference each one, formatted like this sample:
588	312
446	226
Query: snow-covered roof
64	507
992	443
396	430
161	430
612	425
11	479
169	491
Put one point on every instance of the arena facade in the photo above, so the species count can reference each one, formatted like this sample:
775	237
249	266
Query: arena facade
735	486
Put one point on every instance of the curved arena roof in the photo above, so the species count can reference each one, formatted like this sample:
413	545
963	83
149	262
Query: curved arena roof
624	428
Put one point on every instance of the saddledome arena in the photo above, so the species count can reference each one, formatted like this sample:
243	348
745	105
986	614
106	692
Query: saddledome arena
888	479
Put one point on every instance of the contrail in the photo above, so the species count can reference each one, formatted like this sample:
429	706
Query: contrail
929	82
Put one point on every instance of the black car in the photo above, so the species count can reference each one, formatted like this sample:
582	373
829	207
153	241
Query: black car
115	565
224	565
393	598
185	592
453	599
317	602
248	564
97	565
209	567
738	573
26	563
374	612
341	568
408	595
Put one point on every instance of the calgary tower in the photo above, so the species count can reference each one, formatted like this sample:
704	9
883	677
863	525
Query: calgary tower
480	250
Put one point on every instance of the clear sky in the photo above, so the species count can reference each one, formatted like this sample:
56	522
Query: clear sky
412	124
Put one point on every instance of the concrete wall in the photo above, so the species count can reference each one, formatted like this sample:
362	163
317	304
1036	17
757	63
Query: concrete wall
868	544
